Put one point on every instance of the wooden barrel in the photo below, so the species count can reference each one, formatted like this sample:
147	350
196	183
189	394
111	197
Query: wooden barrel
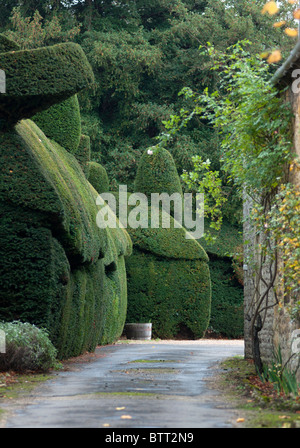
138	331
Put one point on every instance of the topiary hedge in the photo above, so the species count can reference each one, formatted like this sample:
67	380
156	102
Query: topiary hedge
83	154
7	45
38	79
168	281
58	270
227	310
173	294
157	173
61	123
98	177
54	260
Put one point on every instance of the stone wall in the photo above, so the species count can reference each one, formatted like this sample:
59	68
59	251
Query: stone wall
278	327
284	326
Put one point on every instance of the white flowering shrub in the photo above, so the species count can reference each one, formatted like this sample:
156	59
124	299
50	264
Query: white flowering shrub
27	347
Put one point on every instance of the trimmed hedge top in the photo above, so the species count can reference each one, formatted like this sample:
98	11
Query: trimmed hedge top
62	123
167	243
98	177
157	173
44	177
38	79
7	44
228	240
83	154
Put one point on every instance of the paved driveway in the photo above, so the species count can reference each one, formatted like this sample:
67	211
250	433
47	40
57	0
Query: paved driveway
135	385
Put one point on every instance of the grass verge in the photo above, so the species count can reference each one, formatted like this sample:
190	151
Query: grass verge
258	403
14	386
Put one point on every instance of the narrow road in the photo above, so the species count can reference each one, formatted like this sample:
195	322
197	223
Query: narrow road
134	385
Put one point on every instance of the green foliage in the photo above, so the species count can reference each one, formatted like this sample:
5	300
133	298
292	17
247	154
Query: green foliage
281	376
253	120
50	243
33	33
143	53
227	305
119	61
27	348
83	154
61	123
98	177
157	173
168	279
32	87
207	182
7	44
173	294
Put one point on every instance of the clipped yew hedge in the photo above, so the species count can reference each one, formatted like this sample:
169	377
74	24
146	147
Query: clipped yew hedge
83	154
37	79
168	281
7	44
227	311
98	177
157	173
58	270
61	123
55	263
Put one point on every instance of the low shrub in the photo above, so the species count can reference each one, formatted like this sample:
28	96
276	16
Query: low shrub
27	348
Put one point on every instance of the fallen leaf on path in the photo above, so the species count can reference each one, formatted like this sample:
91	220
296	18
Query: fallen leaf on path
126	417
120	409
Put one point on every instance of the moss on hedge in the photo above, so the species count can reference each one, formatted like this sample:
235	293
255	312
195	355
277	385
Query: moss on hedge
62	123
55	263
157	173
98	177
58	270
83	154
38	79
